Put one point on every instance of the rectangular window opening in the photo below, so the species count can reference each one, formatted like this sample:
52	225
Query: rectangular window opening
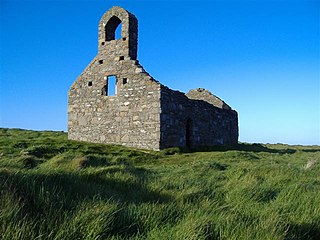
100	61
125	80
110	89
102	43
121	58
124	39
90	84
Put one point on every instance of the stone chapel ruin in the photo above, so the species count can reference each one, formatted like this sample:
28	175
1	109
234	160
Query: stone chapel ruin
140	112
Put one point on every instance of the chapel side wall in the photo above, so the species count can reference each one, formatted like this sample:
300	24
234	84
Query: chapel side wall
193	123
173	118
131	118
212	125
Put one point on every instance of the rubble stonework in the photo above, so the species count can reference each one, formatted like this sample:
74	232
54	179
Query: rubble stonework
142	113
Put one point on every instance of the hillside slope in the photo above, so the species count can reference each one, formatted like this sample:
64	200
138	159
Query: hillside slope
52	188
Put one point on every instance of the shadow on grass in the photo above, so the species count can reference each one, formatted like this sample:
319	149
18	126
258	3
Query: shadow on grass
55	196
303	231
67	190
311	150
239	147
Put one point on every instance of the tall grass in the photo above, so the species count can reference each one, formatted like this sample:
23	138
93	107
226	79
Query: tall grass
52	188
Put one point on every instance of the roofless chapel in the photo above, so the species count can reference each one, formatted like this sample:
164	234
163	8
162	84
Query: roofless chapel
115	100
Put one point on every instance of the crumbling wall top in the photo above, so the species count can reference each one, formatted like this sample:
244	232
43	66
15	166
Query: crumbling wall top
205	95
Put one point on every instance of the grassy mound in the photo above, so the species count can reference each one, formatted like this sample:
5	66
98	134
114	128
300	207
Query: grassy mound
52	188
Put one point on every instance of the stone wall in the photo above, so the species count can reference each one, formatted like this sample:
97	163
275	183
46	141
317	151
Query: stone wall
132	116
192	123
175	111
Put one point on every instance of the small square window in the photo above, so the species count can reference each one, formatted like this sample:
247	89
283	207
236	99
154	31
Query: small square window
102	43
100	61
124	39
90	84
121	58
125	80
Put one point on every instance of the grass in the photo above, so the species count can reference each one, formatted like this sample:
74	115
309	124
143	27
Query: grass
52	188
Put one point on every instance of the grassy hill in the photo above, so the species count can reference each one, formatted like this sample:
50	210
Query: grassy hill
52	188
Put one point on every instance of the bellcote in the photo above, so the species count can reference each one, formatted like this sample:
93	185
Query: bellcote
127	44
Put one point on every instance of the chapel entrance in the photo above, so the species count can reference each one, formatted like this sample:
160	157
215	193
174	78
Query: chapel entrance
188	133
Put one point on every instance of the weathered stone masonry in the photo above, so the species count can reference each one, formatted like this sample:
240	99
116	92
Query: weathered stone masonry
142	113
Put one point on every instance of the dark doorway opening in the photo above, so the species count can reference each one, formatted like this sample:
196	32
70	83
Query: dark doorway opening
188	133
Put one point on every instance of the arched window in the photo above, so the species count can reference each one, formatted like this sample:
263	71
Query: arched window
113	25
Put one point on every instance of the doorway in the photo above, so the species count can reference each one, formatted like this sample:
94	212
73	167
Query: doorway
188	133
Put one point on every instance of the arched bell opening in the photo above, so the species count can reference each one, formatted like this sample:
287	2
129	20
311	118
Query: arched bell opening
113	29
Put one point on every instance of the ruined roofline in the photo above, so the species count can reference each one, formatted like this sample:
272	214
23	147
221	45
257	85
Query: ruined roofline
206	95
95	59
210	98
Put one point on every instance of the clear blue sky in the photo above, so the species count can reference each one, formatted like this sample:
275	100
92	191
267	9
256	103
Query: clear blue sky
261	57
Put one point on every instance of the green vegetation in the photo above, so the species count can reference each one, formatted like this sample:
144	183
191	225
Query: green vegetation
52	188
